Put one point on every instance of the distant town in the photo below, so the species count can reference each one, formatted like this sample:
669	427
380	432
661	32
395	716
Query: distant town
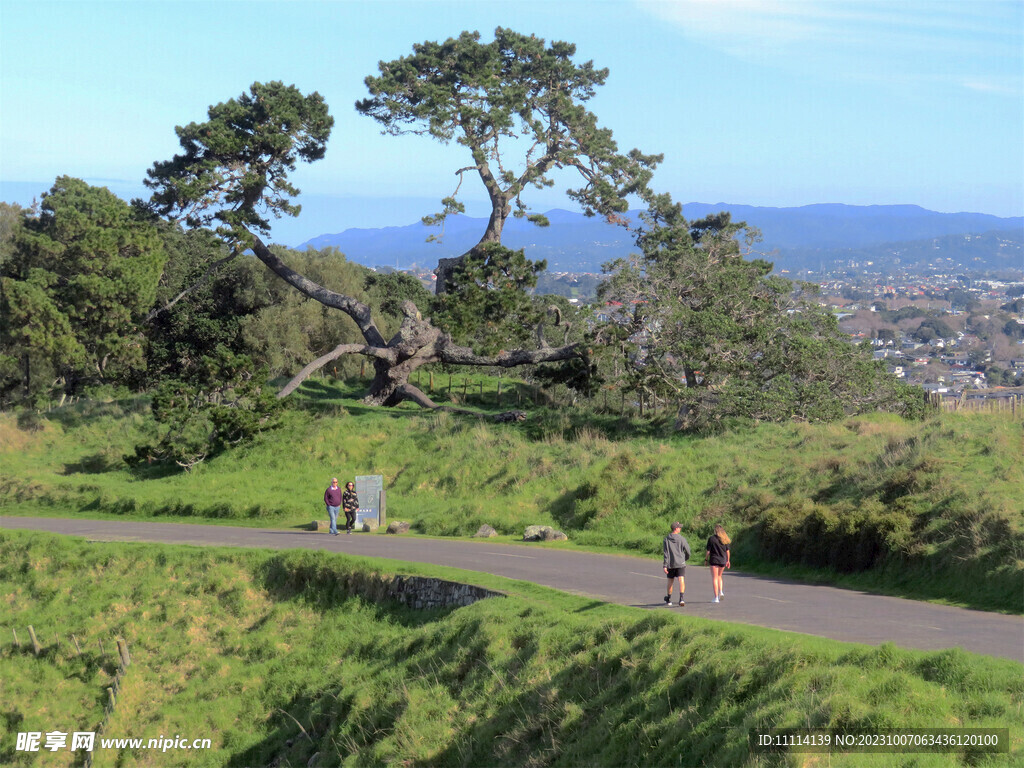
939	297
947	333
946	330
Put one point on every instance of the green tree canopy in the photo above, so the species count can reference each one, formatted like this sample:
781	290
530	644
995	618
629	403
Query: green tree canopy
79	280
517	104
487	305
234	168
1013	329
235	165
696	322
933	328
225	402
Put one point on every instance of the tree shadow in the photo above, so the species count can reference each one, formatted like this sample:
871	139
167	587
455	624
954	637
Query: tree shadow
96	464
311	578
543	420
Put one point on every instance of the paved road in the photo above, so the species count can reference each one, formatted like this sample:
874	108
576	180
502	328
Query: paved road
839	614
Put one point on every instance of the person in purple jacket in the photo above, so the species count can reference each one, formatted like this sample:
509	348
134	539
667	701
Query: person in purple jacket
332	500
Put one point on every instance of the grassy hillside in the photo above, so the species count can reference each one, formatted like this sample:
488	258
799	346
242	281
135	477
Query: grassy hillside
925	509
271	658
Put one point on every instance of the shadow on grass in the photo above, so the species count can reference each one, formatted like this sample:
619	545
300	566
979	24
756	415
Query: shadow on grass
296	725
592	605
70	416
311	577
97	464
158	470
544	420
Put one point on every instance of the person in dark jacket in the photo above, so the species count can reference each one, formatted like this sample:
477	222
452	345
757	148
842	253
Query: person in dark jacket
350	503
717	556
676	550
332	500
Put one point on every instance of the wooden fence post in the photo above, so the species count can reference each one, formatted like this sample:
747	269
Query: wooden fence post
36	648
122	649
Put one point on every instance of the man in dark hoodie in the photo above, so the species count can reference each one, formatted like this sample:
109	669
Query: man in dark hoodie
676	550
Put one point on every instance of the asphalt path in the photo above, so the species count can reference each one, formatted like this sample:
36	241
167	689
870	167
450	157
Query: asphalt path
840	614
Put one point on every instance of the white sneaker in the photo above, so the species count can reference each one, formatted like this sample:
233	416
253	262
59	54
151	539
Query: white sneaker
716	600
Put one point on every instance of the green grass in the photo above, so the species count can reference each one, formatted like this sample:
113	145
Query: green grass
271	657
929	510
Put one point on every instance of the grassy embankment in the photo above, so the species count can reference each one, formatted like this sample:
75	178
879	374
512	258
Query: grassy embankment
267	655
923	509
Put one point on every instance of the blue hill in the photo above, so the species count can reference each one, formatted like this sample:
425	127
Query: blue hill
792	236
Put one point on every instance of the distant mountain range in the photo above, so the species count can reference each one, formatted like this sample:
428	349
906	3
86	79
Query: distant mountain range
810	237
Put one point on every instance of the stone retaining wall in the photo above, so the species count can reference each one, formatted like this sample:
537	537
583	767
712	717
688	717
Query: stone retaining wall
416	592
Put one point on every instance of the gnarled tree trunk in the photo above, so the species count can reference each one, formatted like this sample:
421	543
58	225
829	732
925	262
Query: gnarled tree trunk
417	343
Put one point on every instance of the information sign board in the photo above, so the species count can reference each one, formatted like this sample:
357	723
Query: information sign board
370	490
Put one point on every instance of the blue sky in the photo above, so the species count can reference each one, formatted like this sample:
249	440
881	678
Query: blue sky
781	103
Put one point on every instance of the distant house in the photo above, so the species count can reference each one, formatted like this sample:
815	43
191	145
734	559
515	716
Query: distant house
974	379
611	310
882	354
935	389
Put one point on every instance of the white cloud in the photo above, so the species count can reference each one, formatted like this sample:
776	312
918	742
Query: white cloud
991	86
977	45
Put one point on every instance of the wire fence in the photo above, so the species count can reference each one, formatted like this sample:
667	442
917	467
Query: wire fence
1009	405
72	647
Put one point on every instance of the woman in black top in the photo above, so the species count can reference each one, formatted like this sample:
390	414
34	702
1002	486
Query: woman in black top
717	556
350	504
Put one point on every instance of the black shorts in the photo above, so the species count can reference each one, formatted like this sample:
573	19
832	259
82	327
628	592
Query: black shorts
674	573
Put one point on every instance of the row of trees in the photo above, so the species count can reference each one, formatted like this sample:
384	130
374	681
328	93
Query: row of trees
183	286
75	279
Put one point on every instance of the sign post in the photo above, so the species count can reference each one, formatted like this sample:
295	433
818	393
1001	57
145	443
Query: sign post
370	490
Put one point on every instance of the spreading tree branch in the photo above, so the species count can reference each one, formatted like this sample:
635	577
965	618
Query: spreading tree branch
358	311
334	354
192	288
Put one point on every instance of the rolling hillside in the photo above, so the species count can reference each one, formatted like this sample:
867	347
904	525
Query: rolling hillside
794	238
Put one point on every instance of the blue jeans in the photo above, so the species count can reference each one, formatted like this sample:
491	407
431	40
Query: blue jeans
333	513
